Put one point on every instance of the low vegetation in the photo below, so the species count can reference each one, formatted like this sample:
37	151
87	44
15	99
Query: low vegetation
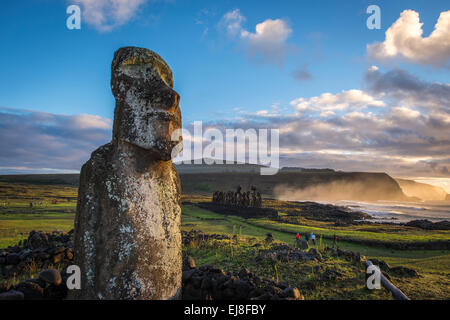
53	208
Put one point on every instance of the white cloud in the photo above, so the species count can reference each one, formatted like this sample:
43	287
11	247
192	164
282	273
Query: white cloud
327	114
106	15
267	44
232	22
351	99
404	40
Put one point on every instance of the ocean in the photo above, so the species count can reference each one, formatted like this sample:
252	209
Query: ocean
392	211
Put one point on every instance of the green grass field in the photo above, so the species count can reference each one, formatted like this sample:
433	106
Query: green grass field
53	208
432	265
17	219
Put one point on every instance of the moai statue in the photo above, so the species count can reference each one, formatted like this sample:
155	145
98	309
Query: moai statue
258	200
127	227
238	196
230	198
247	199
253	197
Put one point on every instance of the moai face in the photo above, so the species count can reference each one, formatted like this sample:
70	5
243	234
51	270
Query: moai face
147	108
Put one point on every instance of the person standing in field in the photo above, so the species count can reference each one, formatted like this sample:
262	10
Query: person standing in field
335	238
313	238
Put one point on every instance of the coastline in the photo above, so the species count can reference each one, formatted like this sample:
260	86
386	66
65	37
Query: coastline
395	211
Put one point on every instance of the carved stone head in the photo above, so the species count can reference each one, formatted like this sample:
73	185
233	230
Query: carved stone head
147	108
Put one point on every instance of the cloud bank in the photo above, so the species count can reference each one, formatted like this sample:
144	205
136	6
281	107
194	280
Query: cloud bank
397	124
404	40
43	142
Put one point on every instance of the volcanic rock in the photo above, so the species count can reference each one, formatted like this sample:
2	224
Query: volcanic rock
51	276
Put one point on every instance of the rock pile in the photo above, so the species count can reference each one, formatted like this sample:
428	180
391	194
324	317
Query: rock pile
196	236
403	272
50	285
428	225
285	253
387	270
398	271
322	212
209	283
40	249
348	255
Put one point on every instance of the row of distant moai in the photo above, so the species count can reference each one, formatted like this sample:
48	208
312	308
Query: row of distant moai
238	198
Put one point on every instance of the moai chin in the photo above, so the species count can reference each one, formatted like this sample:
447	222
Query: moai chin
127	227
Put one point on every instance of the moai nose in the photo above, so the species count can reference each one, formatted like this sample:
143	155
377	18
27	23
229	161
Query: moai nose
168	99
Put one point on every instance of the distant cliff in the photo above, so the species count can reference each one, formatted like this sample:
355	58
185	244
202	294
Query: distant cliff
422	190
358	186
292	183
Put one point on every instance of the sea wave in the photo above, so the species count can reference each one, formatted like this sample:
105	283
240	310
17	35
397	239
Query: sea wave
396	211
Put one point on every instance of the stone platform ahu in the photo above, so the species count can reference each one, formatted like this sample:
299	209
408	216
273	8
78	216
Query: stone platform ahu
127	227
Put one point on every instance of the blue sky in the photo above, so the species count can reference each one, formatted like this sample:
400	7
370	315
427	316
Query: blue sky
49	69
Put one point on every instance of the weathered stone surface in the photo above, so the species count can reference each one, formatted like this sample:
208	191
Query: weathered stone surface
429	225
41	283
51	276
403	272
189	263
147	110
127	227
37	240
30	290
11	295
12	258
293	293
4	286
53	292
